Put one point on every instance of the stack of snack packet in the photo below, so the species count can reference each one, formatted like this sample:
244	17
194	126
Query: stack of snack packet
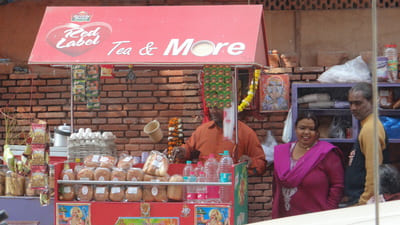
37	155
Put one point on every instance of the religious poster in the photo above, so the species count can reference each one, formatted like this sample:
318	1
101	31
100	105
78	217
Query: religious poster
215	214
73	214
274	93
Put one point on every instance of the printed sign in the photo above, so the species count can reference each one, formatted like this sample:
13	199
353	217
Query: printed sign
157	34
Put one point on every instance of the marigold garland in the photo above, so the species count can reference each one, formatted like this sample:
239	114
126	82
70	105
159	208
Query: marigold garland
252	90
175	135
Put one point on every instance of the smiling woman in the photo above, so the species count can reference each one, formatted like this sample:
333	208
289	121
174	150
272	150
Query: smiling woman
308	173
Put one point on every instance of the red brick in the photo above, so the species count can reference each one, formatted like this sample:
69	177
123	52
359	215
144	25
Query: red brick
171	72
145	94
85	114
54	108
143	113
160	93
109	127
188	79
255	206
145	106
52	82
159	80
143	80
43	83
114	107
114	87
53	95
307	77
143	87
84	121
161	106
130	107
8	96
53	102
99	121
52	115
130	94
21	89
23	76
39	108
53	89
131	147
171	113
115	114
8	83
113	100
114	121
6	68
143	147
143	100
175	80
260	186
113	94
22	102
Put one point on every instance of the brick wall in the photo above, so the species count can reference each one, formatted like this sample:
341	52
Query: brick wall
126	106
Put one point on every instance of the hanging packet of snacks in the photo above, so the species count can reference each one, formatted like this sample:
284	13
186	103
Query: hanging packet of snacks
39	177
79	82
93	86
217	86
106	72
175	136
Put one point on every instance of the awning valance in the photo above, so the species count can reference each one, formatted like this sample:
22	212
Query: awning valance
143	35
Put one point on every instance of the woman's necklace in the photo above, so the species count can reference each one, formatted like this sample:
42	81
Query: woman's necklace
306	148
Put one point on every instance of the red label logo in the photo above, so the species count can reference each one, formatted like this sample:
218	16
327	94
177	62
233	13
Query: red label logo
74	40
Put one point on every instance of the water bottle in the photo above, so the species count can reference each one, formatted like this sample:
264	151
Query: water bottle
225	175
391	54
191	190
186	173
199	168
212	175
201	189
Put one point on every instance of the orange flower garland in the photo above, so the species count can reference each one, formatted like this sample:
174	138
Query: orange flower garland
175	135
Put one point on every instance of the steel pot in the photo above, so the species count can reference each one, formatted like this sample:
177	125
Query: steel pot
61	134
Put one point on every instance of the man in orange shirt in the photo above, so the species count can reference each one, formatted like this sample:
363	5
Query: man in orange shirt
209	138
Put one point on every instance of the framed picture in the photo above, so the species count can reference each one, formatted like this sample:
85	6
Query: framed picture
274	93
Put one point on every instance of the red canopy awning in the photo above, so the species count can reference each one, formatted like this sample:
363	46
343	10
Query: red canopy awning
142	35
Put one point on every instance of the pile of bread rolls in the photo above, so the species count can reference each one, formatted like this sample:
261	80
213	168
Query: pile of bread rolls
108	168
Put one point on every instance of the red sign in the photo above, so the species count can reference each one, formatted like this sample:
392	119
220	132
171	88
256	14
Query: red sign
141	35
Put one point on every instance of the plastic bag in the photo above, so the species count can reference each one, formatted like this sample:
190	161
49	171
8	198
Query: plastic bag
268	147
355	70
391	125
287	129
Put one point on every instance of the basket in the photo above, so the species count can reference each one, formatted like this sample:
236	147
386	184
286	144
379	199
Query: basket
153	130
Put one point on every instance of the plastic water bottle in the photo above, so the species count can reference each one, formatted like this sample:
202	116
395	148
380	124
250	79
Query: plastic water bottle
225	175
212	175
201	189
186	173
391	54
191	190
199	168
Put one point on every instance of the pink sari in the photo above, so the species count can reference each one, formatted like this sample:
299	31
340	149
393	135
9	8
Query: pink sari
293	177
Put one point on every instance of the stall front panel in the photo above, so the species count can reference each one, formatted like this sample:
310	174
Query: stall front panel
141	35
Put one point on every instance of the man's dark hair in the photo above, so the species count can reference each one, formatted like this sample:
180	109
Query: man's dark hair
365	88
389	178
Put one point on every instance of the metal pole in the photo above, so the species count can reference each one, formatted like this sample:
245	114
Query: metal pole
72	100
235	105
375	110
